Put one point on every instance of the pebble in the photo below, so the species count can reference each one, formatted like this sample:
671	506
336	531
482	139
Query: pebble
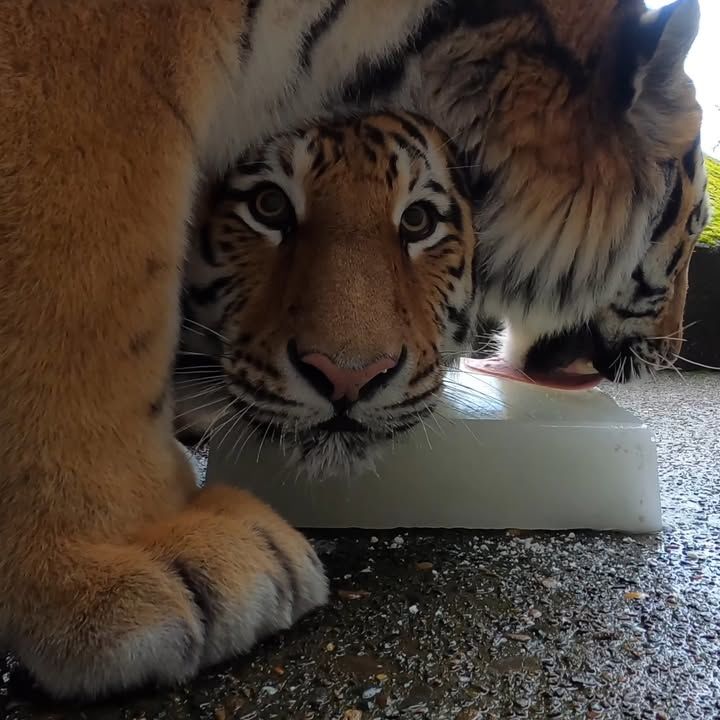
550	583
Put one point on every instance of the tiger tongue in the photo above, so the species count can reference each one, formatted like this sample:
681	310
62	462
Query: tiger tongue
573	377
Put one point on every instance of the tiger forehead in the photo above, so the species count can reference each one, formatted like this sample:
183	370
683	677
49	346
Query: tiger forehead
372	147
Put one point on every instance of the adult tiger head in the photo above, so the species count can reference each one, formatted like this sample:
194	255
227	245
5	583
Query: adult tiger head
334	274
580	130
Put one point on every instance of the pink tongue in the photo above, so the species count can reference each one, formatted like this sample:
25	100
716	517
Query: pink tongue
557	380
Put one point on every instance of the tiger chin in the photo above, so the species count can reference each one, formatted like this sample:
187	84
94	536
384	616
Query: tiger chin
333	281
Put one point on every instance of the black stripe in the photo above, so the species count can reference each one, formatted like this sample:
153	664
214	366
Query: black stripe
374	134
208	294
233	308
318	160
462	322
250	168
643	289
246	36
393	165
697	219
404	144
415	132
454	215
331	132
435	186
413	400
675	259
285	163
457	272
689	160
204	596
528	290
670	213
439	249
627	314
239	378
257	364
375	79
370	154
205	246
567	285
482	182
423	374
291	586
319	28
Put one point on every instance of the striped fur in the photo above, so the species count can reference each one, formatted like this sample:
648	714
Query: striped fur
341	282
568	115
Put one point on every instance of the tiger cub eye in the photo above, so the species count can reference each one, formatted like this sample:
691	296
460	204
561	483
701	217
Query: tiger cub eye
418	222
270	206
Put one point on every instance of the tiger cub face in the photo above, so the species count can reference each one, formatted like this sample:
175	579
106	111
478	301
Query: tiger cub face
332	280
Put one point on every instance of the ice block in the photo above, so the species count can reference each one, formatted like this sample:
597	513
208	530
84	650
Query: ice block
498	454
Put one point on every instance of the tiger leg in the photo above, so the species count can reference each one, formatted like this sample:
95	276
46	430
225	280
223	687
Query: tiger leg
110	572
192	589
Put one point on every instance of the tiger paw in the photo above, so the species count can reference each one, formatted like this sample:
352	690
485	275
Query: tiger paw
196	589
249	572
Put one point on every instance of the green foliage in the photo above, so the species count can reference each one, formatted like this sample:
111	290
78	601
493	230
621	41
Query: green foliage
711	235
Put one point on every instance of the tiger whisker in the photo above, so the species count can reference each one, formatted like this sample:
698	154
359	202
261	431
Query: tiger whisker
246	441
197	368
209	431
696	364
235	419
201	380
465	167
454	421
205	355
207	389
431	414
200	407
205	328
477	376
262	442
672	337
461	397
452	139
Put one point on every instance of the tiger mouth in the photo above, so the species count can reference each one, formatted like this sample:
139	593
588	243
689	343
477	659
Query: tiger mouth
341	447
577	359
340	428
342	424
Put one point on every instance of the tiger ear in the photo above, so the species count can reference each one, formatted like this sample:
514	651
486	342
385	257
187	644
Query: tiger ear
657	93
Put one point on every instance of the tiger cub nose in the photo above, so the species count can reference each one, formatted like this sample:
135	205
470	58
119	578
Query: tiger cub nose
342	383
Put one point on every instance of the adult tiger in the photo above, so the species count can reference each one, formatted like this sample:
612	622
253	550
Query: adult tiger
111	112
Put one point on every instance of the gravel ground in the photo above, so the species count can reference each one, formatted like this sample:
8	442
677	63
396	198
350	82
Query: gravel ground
480	626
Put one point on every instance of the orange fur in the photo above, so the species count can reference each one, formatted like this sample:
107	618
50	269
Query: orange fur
122	572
